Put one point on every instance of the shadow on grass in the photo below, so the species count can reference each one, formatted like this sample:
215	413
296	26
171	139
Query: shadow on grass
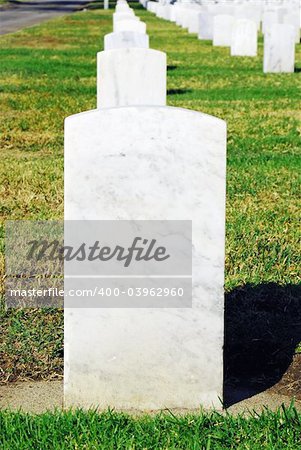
178	91
297	69
171	67
262	331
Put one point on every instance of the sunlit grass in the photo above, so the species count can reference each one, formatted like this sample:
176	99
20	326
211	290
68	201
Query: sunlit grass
112	431
49	72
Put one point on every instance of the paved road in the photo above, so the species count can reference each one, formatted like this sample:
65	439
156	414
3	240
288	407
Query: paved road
19	15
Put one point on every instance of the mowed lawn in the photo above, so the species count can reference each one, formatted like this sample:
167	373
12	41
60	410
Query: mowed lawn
49	72
112	431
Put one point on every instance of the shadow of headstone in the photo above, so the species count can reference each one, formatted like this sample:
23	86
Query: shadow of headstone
262	331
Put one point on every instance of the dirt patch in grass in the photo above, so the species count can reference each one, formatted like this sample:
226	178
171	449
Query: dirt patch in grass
290	383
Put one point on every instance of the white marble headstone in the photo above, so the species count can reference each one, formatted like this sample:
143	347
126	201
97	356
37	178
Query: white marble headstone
270	17
126	39
249	12
279	48
122	7
222	30
292	17
126	15
149	163
129	25
123	16
193	23
244	38
205	25
131	76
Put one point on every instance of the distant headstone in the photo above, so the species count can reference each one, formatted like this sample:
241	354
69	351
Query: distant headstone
122	7
106	4
131	76
126	39
250	12
292	16
270	16
222	30
123	16
244	38
205	25
163	11
279	48
152	6
129	25
193	22
173	16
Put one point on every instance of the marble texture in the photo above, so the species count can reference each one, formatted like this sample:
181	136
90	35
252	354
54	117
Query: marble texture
125	39
279	48
129	163
244	38
129	25
131	76
222	30
205	25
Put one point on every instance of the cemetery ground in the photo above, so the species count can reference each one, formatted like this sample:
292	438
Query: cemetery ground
49	73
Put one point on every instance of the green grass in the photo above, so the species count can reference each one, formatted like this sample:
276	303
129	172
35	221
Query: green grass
112	431
49	72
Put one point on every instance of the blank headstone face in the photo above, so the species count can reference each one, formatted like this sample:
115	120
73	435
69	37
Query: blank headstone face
180	15
149	163
222	9
123	16
193	24
292	17
249	12
125	39
205	25
279	48
123	7
129	25
222	30
173	15
131	76
189	19
163	11
269	18
244	38
152	6
185	17
159	11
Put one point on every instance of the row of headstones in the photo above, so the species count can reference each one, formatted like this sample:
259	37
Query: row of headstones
236	26
133	74
134	159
